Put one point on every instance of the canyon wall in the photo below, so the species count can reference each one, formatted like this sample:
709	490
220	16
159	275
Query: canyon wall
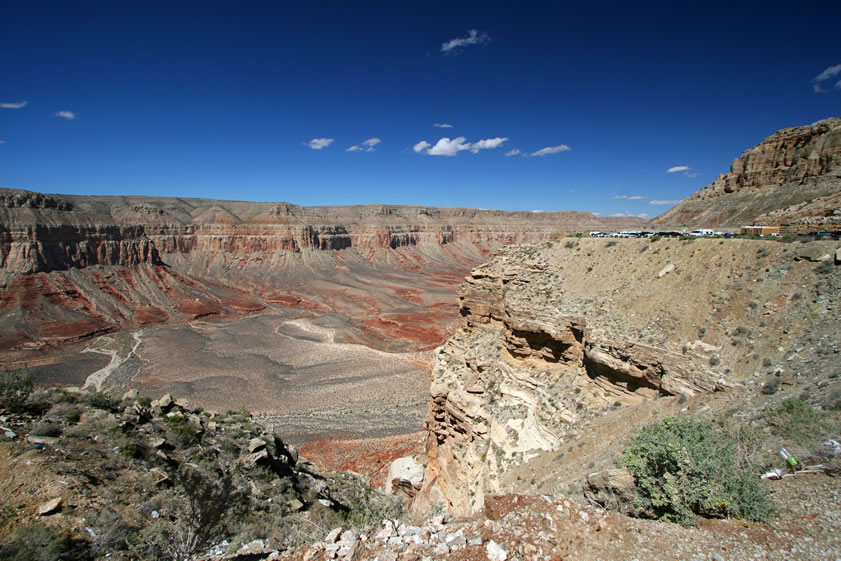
770	183
74	266
556	338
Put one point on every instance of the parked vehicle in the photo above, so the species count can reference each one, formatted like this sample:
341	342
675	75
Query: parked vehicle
701	232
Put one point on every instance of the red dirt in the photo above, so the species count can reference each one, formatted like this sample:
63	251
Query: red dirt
370	457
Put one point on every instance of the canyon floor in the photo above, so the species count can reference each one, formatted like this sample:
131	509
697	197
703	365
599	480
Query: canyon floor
290	368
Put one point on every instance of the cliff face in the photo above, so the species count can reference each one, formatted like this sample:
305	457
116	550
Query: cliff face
557	338
48	232
791	167
76	265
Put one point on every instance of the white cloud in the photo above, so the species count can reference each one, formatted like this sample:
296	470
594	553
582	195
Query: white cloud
473	38
421	146
513	152
366	146
2	142
69	115
448	147
443	125
629	215
830	72
664	201
676	169
537	211
552	150
319	143
18	105
630	197
487	144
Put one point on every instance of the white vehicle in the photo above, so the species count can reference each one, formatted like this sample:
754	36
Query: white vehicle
701	232
596	234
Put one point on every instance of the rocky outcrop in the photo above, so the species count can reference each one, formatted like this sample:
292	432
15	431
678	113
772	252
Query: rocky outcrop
556	337
770	182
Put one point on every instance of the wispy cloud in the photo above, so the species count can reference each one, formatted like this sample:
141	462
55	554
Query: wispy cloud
69	115
629	215
366	146
487	144
2	142
513	152
664	201
443	125
451	147
474	37
421	146
319	143
551	150
827	74
684	169
18	105
630	197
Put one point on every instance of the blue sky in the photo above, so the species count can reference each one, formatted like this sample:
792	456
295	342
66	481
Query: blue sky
552	106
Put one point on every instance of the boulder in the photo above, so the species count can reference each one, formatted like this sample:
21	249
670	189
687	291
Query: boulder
130	395
256	444
613	488
406	469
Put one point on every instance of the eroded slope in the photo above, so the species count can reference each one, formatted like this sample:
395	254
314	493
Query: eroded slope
559	339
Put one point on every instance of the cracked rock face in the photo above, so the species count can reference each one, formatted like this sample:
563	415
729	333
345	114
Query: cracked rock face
786	177
556	336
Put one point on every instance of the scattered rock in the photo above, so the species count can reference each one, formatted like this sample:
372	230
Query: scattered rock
666	270
50	507
495	551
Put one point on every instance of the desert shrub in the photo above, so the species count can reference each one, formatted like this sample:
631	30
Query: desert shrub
799	423
37	542
45	428
771	387
195	519
570	245
182	431
15	389
824	268
611	243
110	532
99	401
72	416
685	468
655	238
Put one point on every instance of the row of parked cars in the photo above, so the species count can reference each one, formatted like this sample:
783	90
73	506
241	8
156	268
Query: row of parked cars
700	233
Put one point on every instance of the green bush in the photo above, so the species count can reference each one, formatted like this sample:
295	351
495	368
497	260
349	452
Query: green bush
15	389
655	238
798	422
685	468
99	401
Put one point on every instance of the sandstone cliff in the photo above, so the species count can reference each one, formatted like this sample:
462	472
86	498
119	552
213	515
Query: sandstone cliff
73	266
558	339
769	183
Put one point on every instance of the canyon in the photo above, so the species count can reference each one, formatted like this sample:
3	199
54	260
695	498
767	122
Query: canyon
502	363
284	310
